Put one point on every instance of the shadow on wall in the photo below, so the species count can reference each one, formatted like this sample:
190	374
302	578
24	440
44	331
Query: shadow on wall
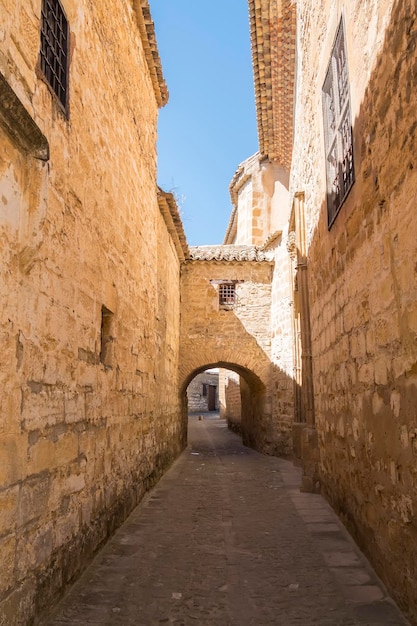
252	410
363	298
253	422
230	400
236	338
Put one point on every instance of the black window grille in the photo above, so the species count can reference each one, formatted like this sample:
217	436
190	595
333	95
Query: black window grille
55	48
227	294
338	136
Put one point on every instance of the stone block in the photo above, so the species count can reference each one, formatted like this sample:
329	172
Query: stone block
42	405
12	459
33	550
8	509
7	560
33	499
74	406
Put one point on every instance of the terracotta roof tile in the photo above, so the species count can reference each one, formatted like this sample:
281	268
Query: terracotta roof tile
229	253
147	34
273	37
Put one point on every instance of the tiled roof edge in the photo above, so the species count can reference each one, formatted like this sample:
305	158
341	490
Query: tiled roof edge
229	253
273	40
170	213
147	34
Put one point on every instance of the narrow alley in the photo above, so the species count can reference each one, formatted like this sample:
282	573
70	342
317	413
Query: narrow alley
226	538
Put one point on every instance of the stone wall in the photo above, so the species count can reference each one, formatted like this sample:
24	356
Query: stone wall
259	195
89	302
361	275
282	345
198	392
236	339
230	400
261	207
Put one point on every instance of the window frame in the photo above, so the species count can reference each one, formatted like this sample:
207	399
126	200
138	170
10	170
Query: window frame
55	51
228	299
338	132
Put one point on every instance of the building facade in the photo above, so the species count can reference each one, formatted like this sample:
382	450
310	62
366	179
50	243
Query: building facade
89	313
106	316
334	87
259	193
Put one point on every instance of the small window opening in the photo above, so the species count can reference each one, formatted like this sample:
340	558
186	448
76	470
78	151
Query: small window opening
204	390
338	138
227	294
106	337
54	52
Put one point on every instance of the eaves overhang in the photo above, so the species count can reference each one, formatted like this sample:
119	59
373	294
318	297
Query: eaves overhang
273	40
19	124
169	211
230	253
147	35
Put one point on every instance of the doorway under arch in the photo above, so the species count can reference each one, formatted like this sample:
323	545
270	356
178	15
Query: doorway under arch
253	401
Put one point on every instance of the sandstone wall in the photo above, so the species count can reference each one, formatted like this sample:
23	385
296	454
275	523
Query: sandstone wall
230	400
363	292
81	436
259	194
282	342
237	339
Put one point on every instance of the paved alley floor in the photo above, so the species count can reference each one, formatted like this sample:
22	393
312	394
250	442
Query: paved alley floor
227	539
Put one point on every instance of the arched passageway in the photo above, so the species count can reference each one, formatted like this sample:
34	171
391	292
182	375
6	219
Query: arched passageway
226	322
253	399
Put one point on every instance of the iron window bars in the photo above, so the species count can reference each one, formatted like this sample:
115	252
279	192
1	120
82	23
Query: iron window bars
54	50
227	294
338	137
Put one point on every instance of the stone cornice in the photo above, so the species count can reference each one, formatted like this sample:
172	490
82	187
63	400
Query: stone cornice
273	38
231	228
19	124
147	34
272	241
170	213
229	253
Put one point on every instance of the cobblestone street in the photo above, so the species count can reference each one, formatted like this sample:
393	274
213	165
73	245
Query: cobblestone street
226	538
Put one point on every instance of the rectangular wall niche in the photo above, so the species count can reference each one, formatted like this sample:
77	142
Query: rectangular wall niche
106	339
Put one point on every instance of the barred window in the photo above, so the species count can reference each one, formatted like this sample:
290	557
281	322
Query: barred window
340	173
54	50
227	294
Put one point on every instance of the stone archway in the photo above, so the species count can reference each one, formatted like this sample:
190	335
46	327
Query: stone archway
226	322
254	396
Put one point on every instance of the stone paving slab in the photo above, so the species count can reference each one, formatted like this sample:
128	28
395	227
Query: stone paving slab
227	539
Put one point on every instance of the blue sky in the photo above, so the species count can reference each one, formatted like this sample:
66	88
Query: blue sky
208	126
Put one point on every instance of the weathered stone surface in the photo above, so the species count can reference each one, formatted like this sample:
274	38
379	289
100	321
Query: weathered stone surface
225	519
362	290
81	436
203	392
237	338
230	399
